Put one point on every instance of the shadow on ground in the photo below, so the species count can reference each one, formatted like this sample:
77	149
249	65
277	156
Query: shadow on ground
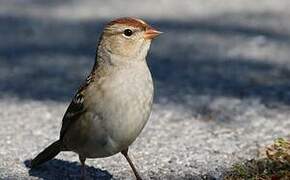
59	169
48	60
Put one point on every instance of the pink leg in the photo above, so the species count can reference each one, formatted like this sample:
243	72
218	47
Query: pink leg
125	153
83	168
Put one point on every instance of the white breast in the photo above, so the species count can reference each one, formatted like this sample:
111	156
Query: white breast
124	107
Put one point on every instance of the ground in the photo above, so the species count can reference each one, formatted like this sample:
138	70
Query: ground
222	84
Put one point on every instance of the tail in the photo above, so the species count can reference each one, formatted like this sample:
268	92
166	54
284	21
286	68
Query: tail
47	154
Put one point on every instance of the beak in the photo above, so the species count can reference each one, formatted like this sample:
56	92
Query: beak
151	33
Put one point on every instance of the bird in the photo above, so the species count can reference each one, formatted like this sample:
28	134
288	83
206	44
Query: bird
112	106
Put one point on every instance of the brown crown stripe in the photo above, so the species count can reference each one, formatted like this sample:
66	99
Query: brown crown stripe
131	22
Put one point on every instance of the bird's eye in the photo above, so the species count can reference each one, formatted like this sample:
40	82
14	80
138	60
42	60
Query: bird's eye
128	32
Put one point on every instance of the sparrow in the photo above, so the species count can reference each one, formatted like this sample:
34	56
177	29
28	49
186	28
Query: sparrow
112	106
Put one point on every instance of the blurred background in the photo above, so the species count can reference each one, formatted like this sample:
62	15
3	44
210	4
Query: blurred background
221	71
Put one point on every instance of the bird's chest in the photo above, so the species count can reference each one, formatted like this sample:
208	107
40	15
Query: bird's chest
128	97
123	106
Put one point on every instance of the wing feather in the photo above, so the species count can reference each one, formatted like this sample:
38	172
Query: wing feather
76	108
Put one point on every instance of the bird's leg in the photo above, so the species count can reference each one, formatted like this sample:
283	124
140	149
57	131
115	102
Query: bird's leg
125	153
83	168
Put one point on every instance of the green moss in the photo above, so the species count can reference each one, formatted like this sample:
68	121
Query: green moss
240	169
276	164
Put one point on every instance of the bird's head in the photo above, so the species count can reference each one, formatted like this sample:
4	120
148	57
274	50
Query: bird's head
127	38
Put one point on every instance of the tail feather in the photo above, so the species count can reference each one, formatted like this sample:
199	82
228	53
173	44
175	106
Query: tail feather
50	152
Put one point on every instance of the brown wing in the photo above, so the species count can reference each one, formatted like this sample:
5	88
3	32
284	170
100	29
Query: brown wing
75	109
